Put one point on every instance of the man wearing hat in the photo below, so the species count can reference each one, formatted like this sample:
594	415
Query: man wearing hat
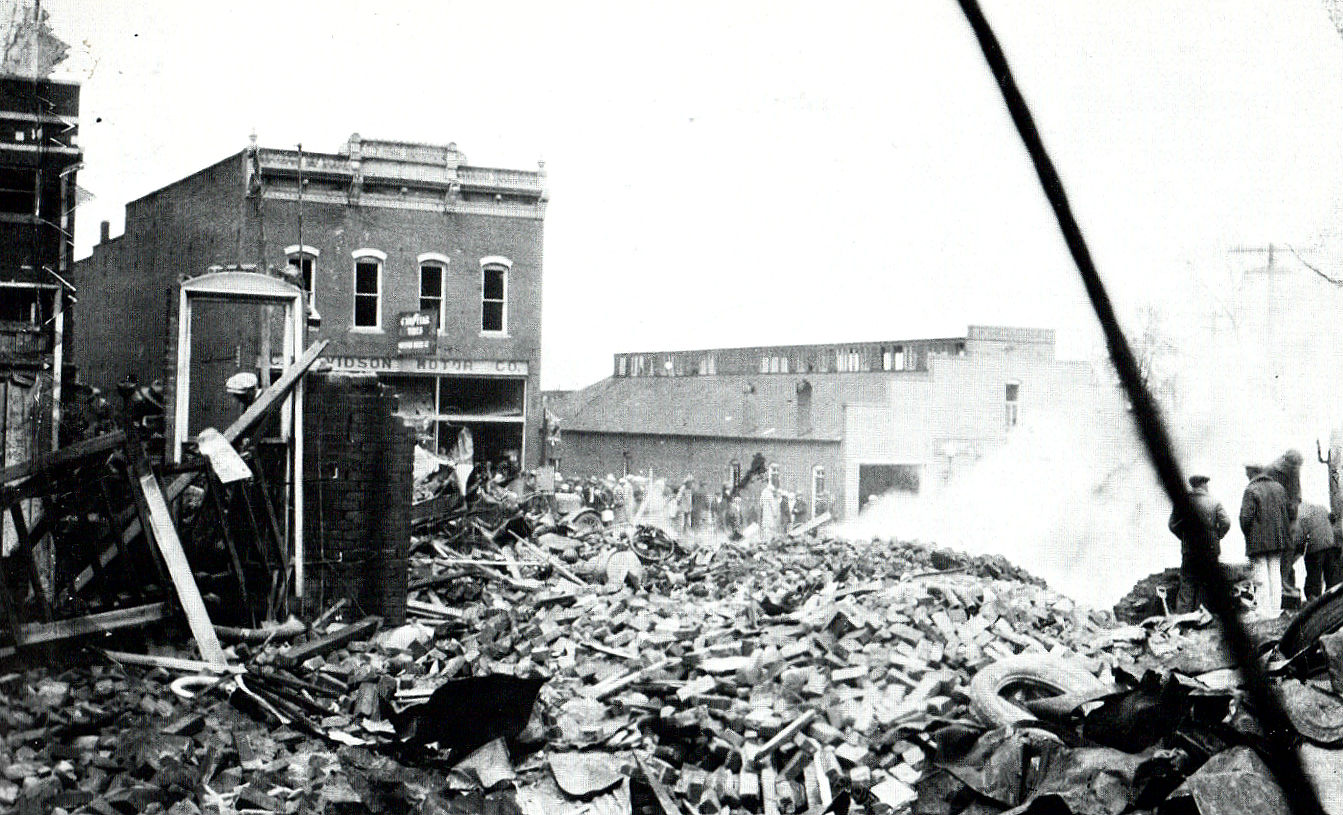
1214	517
1266	523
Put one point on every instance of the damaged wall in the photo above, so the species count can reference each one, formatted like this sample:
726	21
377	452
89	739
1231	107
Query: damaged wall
358	471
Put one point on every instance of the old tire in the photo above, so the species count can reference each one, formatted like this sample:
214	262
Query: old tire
586	522
1323	615
1039	674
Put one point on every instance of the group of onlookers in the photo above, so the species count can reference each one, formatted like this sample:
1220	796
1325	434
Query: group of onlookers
690	509
1279	529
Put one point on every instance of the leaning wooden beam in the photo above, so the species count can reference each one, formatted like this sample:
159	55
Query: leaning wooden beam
33	633
188	593
65	455
299	654
269	399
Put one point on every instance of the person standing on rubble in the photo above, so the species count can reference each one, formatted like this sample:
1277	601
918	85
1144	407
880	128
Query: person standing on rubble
769	513
627	500
1286	470
721	503
1213	517
684	511
1313	533
1265	521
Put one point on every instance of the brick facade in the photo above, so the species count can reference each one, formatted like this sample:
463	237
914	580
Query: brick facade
400	200
359	482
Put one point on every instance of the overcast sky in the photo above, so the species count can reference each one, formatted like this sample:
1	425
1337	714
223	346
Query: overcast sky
735	173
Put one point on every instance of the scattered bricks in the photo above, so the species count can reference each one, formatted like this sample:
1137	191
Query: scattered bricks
848	674
944	624
792	769
829	764
824	732
911	754
860	778
788	731
851	754
769	791
696	687
907	774
812	786
894	794
725	787
789	795
748	789
819	776
933	684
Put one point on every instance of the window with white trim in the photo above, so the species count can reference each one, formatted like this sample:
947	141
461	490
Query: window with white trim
431	289
368	291
494	298
774	475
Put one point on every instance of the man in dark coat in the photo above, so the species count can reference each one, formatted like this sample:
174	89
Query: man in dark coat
1214	517
1313	533
1286	470
1265	521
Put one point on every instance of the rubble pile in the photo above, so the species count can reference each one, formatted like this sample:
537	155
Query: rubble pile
736	677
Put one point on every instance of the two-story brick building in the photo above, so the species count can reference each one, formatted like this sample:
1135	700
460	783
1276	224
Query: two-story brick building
381	231
38	163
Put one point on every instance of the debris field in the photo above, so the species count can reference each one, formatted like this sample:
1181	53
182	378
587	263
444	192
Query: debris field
804	675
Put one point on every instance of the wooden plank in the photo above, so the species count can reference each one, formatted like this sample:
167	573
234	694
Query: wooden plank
33	633
603	689
325	645
188	593
101	444
214	487
250	417
191	666
780	738
25	553
8	608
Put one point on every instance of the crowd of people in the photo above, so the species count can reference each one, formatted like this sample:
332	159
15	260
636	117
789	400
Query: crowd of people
1279	530
690	508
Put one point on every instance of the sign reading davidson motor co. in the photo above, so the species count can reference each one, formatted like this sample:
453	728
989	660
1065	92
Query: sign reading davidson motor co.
415	335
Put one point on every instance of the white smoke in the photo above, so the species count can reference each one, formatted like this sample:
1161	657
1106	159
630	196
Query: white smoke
1250	375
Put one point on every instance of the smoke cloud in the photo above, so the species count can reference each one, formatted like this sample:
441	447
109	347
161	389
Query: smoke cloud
1245	370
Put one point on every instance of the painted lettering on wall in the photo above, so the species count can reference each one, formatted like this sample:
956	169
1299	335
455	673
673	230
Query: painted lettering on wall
427	365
